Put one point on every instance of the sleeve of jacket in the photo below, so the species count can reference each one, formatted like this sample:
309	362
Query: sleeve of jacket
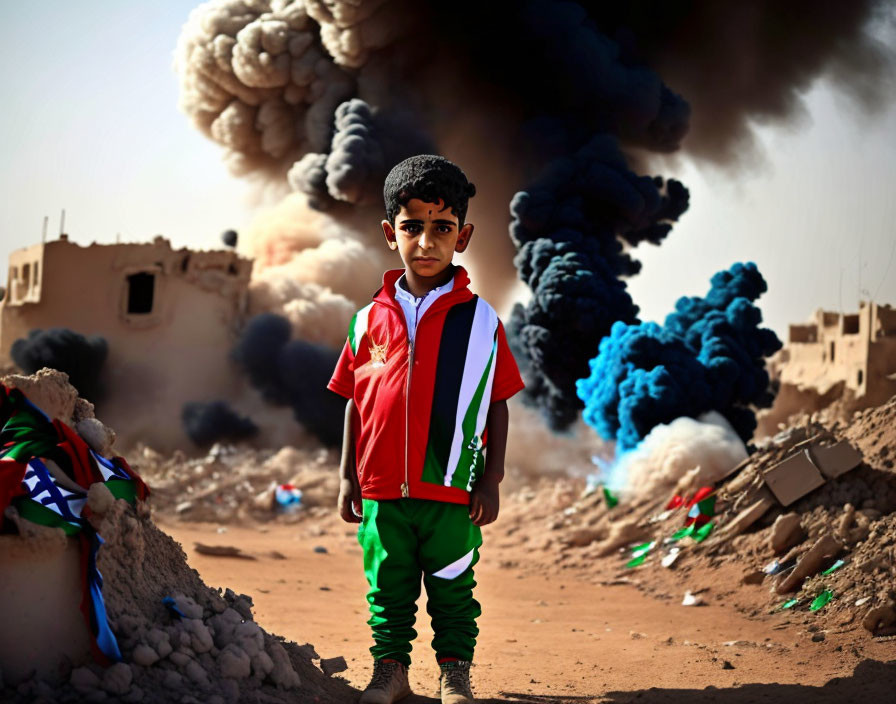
343	379
507	381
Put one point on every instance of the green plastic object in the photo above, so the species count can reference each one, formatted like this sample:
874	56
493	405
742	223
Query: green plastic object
682	533
642	549
821	600
610	498
639	560
702	533
836	566
789	604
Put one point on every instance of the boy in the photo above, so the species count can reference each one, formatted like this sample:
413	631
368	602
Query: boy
427	372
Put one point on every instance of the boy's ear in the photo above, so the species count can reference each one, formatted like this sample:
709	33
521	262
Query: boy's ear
463	237
389	232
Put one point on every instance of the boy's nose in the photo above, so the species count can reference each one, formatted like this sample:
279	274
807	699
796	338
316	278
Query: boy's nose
426	240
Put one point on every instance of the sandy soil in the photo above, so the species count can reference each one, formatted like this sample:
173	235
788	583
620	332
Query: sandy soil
545	637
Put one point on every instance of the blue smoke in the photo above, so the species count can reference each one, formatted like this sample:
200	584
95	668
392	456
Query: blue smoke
709	355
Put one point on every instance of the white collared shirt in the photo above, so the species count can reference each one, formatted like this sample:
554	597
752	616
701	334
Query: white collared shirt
413	307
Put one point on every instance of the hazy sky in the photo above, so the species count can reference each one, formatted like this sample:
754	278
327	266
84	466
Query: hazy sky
90	123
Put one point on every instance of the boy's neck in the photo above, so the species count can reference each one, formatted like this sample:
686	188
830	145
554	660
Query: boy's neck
419	286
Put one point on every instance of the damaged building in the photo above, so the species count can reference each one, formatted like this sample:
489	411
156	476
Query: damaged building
170	317
847	359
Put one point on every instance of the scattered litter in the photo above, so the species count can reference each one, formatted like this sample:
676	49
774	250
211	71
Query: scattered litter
171	605
691	599
288	497
821	600
222	551
640	553
670	557
703	532
320	549
864	600
836	566
610	498
789	604
778	566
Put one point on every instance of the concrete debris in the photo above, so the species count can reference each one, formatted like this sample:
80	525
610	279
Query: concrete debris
807	470
787	531
826	548
744	519
793	478
333	666
691	599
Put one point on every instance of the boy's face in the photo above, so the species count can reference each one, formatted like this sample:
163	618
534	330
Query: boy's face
426	236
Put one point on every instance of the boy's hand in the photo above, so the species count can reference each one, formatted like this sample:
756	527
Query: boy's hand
484	502
349	502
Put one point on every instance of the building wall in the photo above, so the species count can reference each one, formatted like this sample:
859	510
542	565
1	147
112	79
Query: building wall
177	352
856	349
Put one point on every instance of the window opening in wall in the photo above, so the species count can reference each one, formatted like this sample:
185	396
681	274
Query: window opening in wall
860	377
832	351
850	324
36	277
185	263
232	270
26	276
141	288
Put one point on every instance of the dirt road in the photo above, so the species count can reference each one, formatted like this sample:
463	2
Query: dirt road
553	639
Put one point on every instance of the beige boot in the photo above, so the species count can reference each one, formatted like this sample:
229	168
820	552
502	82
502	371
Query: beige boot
388	684
455	682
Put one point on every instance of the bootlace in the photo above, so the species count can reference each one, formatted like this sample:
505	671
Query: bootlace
382	674
457	676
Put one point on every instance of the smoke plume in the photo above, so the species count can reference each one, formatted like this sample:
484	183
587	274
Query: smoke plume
325	96
685	454
209	422
710	355
290	372
80	357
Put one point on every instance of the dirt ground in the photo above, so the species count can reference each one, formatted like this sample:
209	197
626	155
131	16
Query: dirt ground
546	636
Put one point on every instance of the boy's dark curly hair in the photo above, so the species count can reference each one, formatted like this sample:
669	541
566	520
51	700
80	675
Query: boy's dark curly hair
429	178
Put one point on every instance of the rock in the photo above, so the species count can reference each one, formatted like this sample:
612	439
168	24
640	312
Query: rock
745	519
809	564
99	437
727	665
879	617
786	532
332	666
144	655
188	607
234	662
117	678
283	674
100	499
84	680
818	637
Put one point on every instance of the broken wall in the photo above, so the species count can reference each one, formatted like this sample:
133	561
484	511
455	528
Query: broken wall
170	318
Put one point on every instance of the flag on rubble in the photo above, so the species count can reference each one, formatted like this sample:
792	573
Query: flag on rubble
701	507
42	461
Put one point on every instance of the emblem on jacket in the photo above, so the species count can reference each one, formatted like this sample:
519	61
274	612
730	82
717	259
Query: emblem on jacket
377	354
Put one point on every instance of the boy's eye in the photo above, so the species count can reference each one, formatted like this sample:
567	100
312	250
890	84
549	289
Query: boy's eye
412	228
444	228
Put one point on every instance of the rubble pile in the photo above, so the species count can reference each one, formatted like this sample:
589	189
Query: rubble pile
179	640
233	484
806	525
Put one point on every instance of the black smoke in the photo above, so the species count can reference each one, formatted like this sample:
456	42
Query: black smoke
208	422
65	350
292	373
229	238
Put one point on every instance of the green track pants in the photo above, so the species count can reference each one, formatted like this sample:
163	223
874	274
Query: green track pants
402	539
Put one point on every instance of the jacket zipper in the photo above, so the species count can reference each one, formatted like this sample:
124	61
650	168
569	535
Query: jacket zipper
405	488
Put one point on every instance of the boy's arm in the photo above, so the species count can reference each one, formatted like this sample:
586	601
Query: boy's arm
349	502
484	499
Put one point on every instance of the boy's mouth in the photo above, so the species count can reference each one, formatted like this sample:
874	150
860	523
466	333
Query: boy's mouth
426	259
